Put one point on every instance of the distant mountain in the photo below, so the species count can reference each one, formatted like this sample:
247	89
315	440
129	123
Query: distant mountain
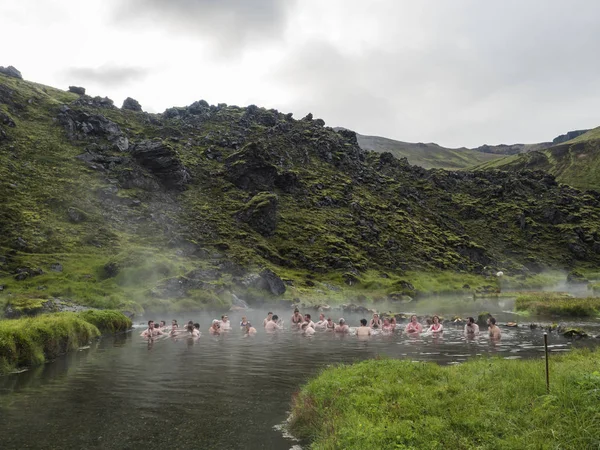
427	156
575	162
512	149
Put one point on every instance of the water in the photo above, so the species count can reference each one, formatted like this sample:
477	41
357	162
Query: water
229	391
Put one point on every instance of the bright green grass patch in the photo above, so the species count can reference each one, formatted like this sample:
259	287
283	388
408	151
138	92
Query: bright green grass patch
107	321
31	341
557	304
483	403
35	340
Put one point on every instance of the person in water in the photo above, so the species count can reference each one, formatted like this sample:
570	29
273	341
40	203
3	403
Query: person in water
471	328
413	327
307	329
329	326
297	318
322	323
436	326
163	325
273	324
225	323
249	329
174	322
342	327
174	330
493	329
244	321
215	328
152	330
375	321
387	326
393	322
267	319
192	331
363	330
308	320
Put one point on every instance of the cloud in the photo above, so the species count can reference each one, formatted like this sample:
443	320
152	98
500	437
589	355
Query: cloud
230	25
106	75
459	73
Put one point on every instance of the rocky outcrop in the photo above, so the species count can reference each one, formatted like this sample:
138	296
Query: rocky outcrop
80	124
568	136
11	71
77	90
131	104
250	169
275	285
162	162
260	213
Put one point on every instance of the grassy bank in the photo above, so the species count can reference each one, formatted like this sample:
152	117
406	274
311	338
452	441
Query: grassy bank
557	304
31	341
479	404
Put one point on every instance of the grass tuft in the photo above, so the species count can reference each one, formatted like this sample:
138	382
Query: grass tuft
484	403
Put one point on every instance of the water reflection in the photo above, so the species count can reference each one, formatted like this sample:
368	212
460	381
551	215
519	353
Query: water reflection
228	391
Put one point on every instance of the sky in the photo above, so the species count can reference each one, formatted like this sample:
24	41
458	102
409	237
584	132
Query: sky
455	72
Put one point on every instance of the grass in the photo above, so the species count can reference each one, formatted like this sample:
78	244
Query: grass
557	304
483	403
32	341
107	321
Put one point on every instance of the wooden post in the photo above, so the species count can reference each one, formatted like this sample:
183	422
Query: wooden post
547	367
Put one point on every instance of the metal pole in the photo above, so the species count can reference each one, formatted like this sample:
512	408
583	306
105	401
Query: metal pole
547	368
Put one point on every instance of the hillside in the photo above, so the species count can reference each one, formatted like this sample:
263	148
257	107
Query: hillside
427	156
575	162
115	207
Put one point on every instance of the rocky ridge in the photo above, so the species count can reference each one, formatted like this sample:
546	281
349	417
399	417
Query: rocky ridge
245	191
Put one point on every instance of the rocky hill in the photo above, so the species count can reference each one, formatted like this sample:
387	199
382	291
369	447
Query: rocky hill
116	207
575	162
428	156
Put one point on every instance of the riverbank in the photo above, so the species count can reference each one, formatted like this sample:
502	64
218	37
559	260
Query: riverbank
483	403
31	341
557	304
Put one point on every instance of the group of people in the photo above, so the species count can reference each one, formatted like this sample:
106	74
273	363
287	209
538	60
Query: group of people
272	323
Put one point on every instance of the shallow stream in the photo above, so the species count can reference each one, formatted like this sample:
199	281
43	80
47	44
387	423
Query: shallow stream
229	391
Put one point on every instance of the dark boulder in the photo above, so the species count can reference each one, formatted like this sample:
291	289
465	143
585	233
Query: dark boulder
5	119
288	182
260	213
10	71
23	273
111	269
162	162
56	267
275	285
131	104
77	90
76	215
250	169
80	124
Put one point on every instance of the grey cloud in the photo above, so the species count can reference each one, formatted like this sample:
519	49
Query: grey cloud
106	76
481	72
229	24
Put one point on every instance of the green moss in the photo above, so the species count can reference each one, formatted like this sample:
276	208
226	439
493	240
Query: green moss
107	321
31	341
478	404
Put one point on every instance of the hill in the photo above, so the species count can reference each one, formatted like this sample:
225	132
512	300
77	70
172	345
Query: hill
575	162
116	207
426	155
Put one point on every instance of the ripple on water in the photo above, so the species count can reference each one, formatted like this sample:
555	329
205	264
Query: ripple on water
213	392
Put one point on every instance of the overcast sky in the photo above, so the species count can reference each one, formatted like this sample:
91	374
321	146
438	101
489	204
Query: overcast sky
459	73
